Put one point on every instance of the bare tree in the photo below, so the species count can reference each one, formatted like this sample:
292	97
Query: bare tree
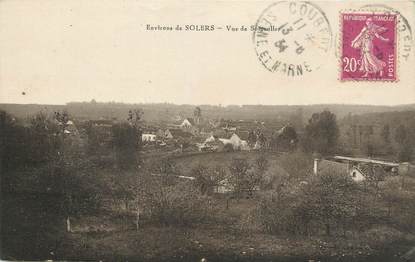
242	178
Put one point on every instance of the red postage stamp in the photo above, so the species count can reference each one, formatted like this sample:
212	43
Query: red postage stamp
368	47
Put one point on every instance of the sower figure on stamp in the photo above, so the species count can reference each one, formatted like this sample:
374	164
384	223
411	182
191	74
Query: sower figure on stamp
364	42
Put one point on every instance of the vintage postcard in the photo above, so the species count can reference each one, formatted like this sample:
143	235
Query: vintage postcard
207	131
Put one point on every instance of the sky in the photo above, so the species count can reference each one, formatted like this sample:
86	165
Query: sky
57	51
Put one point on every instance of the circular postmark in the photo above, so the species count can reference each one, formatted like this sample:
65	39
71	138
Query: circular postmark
404	31
292	38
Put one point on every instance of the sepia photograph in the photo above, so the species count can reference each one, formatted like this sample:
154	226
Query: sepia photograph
207	131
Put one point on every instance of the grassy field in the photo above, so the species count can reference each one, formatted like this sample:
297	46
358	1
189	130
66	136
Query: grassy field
228	235
221	239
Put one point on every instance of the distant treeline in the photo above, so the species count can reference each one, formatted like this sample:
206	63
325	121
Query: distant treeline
167	111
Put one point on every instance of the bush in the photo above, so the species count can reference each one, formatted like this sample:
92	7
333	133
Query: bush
276	210
297	164
180	204
326	203
228	148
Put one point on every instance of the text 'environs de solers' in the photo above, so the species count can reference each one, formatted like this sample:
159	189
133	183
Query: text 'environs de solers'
194	27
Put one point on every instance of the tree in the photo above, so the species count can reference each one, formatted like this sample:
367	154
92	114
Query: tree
135	116
228	147
197	114
178	204
242	178
94	139
124	188
262	140
207	178
168	199
252	138
403	139
82	192
327	202
29	146
405	152
386	133
299	165
321	133
46	138
261	164
401	134
127	143
400	201
332	198
285	140
165	169
74	181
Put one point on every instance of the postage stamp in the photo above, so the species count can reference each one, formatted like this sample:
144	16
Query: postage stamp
291	37
368	46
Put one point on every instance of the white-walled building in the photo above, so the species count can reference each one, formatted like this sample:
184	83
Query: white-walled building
359	169
148	137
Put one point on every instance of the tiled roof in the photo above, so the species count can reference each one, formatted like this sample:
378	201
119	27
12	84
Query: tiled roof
327	165
179	133
371	170
191	120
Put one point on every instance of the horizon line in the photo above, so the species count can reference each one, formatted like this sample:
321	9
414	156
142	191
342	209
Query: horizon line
217	105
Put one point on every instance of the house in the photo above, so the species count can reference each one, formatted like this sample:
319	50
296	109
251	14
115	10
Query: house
223	187
215	145
177	118
211	143
176	134
160	133
71	129
226	141
324	165
187	123
244	145
359	169
210	139
236	142
257	145
219	133
102	122
148	137
243	134
168	134
235	139
229	129
375	165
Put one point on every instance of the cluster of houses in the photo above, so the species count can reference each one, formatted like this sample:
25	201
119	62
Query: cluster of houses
207	136
188	133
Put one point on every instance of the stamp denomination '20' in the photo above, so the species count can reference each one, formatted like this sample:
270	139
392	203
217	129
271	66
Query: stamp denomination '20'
292	38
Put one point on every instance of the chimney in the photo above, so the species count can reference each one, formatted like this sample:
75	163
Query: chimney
349	167
315	169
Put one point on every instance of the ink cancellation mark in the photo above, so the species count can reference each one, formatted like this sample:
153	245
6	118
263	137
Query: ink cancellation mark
403	30
292	38
368	46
